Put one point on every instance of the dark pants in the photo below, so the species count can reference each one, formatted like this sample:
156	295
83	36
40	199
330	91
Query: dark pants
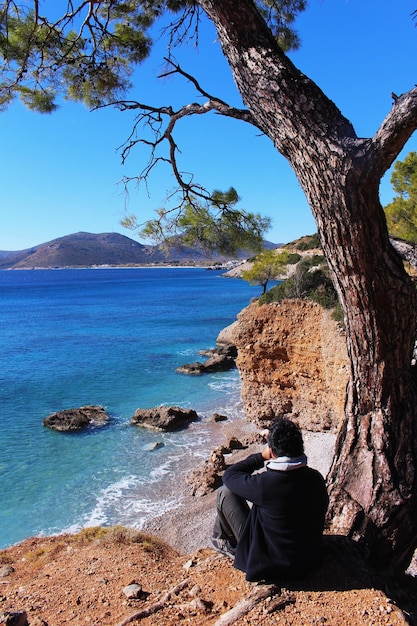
232	513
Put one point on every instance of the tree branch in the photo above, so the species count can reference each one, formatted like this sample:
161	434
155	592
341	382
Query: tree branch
395	130
158	606
163	131
247	604
220	106
185	28
406	250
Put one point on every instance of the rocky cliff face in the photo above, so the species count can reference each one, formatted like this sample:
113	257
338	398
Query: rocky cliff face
293	361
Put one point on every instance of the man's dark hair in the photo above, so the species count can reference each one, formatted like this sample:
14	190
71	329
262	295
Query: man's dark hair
285	438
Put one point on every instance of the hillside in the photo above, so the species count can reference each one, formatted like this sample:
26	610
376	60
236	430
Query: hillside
88	249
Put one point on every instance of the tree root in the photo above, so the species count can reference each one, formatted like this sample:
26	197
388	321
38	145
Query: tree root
247	604
158	605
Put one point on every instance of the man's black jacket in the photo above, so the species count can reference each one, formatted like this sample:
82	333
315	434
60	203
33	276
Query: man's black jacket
282	536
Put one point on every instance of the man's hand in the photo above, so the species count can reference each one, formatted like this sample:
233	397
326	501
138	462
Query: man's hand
267	453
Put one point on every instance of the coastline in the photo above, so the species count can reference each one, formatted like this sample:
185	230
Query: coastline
192	516
81	338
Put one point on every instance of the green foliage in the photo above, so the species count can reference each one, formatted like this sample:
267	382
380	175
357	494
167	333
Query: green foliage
320	289
89	52
315	260
120	535
293	258
215	225
266	266
401	213
276	294
41	101
337	313
280	16
308	243
310	280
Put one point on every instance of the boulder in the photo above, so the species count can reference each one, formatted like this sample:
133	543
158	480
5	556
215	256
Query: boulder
207	478
134	591
235	444
70	420
14	618
219	363
6	570
217	417
219	359
155	445
226	335
164	418
192	369
223	350
216	363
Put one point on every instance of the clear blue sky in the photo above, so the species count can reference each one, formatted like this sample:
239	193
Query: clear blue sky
60	172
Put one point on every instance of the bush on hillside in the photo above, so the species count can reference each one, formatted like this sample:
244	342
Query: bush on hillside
311	280
293	258
337	314
309	243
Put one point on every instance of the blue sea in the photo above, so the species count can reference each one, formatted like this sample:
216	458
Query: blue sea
112	337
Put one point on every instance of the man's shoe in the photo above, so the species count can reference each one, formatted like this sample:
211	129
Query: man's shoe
223	546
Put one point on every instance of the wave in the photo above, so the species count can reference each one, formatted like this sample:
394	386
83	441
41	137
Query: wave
124	502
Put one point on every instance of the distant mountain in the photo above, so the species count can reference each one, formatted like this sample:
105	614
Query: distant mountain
88	249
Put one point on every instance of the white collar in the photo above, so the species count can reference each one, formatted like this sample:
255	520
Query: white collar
287	463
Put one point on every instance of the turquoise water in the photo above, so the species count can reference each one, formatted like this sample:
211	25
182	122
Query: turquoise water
112	337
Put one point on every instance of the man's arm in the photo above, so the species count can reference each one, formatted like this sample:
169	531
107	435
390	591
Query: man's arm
239	479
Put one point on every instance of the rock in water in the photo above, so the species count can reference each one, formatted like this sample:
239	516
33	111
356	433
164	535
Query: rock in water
164	418
70	420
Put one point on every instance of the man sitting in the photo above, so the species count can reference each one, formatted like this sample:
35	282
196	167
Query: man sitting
280	535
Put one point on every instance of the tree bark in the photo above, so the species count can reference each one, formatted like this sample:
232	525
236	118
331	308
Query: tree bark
372	481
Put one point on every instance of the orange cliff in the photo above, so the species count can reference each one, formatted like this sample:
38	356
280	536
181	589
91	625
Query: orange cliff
292	360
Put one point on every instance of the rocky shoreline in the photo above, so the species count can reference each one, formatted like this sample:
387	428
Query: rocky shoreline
280	375
187	527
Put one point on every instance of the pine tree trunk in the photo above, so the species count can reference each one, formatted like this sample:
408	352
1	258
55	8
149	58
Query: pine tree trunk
372	478
372	481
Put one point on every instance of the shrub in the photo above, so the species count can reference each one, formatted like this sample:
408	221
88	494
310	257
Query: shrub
325	295
311	280
45	553
309	243
293	258
277	293
337	314
121	535
318	259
